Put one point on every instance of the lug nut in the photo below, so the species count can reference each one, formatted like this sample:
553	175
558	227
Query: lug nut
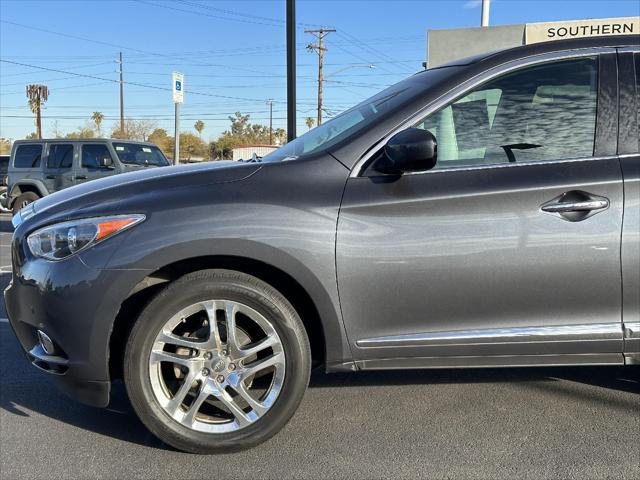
224	352
207	355
220	378
232	366
205	372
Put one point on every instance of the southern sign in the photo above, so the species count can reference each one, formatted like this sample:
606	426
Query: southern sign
178	87
546	32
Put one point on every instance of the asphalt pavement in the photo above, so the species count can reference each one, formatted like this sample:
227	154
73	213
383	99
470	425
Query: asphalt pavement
562	423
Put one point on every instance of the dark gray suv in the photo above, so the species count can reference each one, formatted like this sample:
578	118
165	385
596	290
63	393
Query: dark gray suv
40	167
481	214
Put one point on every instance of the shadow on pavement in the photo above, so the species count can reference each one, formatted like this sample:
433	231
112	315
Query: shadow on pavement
24	390
118	421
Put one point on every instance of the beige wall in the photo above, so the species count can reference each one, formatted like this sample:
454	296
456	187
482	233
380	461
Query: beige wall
444	46
245	153
452	44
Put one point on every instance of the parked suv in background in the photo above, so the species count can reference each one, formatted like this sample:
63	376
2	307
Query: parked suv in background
40	167
4	167
481	214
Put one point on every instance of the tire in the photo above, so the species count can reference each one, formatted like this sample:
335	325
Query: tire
23	200
214	427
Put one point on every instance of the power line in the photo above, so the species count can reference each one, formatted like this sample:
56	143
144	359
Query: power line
157	117
48	80
155	54
270	24
31	73
75	37
63	88
127	83
249	18
380	55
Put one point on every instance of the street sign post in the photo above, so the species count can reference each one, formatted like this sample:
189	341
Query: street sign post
178	98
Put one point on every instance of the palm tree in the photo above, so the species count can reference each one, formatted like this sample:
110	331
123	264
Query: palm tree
199	126
97	118
310	121
37	95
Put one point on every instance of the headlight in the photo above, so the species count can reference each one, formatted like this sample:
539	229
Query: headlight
62	240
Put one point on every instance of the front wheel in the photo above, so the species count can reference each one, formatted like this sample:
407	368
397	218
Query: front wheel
218	361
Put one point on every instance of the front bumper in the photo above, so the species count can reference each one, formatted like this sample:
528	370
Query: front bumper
77	371
75	305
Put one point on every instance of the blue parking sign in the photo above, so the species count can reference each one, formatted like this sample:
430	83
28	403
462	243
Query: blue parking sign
178	90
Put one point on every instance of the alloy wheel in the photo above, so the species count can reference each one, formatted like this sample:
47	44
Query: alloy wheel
217	366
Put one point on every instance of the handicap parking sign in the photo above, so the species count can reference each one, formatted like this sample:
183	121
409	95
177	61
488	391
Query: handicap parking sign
178	87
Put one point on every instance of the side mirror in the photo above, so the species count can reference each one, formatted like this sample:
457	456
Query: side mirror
105	162
411	150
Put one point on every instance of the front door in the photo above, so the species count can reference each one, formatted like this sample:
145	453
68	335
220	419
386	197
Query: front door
91	164
508	251
58	170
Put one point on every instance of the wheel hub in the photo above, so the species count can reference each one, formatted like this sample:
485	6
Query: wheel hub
218	365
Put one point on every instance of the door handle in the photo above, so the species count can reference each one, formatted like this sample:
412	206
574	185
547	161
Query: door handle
585	206
81	177
51	177
575	205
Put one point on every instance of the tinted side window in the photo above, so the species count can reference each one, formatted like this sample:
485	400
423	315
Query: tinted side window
544	112
60	156
91	155
28	156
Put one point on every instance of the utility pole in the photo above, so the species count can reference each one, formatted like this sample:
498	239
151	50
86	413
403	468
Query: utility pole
319	33
121	95
37	95
270	103
486	4
291	70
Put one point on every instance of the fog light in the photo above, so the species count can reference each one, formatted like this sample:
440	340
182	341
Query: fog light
46	343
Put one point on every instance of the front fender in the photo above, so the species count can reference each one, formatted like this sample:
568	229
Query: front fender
320	287
16	189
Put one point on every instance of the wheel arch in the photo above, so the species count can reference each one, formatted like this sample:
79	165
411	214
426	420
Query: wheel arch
26	186
324	330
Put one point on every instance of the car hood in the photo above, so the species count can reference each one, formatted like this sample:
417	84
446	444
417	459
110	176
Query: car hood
116	187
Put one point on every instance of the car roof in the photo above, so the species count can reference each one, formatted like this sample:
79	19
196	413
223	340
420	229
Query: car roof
83	140
523	51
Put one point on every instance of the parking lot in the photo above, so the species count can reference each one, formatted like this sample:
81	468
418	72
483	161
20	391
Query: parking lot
533	423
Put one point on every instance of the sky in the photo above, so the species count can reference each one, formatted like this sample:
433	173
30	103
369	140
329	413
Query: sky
232	53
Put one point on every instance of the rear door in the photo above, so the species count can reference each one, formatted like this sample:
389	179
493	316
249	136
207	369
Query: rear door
89	164
26	164
508	252
58	169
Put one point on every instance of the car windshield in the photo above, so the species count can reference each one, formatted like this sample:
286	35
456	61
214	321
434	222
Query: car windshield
356	119
136	154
